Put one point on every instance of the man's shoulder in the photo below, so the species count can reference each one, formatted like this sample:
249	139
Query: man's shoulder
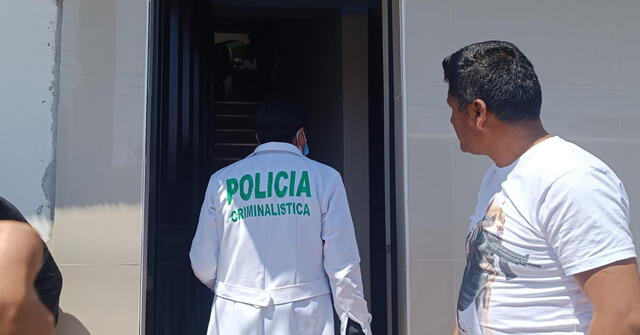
321	168
560	157
223	173
314	167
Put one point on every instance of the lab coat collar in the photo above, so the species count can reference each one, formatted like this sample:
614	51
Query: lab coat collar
277	146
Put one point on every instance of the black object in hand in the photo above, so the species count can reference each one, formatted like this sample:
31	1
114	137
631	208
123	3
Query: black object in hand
353	328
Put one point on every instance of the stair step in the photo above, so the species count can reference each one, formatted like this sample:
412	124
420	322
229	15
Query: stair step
233	150
235	108
229	121
234	136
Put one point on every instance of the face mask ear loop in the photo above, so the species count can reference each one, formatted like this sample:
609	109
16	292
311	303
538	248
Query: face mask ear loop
305	139
305	151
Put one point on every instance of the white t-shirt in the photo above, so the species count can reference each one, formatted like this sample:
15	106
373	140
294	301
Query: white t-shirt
555	212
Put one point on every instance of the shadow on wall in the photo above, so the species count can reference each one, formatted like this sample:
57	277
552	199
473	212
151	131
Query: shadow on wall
70	325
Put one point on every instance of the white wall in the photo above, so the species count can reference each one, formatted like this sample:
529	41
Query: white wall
96	238
28	102
586	55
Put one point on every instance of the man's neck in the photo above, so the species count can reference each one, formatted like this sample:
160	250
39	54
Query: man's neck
515	140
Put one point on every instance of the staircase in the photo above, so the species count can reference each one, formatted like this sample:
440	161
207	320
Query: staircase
233	132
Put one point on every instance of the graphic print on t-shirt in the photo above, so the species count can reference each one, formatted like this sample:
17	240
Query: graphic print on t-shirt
487	258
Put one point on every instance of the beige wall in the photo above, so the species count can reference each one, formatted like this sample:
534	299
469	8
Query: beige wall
96	236
585	53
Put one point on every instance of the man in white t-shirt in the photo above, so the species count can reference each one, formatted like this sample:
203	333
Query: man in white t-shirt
549	249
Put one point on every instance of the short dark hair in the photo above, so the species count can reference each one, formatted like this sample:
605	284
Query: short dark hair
278	119
10	212
498	73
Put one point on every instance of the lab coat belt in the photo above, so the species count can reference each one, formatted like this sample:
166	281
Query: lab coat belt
277	296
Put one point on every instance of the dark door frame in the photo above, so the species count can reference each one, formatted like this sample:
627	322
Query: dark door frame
382	218
176	169
176	166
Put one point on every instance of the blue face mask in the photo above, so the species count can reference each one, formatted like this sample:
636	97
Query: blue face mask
305	150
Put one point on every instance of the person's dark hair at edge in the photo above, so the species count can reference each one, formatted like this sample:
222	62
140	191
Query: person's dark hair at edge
48	282
498	73
278	119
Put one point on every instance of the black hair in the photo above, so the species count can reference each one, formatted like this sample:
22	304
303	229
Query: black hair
278	120
10	212
498	73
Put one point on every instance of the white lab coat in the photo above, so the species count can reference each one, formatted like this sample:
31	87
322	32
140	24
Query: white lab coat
274	239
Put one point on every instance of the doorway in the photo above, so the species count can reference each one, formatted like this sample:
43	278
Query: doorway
212	62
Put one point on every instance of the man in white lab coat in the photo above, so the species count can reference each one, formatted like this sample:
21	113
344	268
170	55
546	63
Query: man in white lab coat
275	239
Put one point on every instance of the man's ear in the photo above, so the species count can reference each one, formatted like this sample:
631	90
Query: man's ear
479	110
300	135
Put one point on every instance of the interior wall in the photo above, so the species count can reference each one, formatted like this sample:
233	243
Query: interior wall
585	54
325	68
96	238
355	110
310	70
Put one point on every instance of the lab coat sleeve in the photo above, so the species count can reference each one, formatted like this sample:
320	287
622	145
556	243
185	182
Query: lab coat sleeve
205	247
342	260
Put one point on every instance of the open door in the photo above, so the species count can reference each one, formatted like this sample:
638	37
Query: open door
211	64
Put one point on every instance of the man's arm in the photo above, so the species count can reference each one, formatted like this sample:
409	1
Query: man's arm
614	292
205	247
342	259
585	219
21	311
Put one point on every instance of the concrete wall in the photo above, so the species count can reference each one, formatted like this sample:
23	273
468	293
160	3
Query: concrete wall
586	55
96	237
28	103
